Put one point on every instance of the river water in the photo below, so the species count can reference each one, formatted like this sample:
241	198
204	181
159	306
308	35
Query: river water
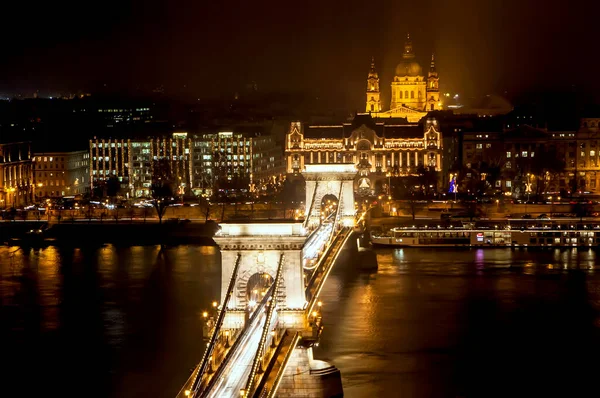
126	321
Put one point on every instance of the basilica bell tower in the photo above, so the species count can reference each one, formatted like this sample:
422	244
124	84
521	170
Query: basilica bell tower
373	98
433	89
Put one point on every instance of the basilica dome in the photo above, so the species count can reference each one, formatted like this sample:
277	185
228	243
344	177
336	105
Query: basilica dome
408	67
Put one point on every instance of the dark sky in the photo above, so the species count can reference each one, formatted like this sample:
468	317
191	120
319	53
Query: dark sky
203	49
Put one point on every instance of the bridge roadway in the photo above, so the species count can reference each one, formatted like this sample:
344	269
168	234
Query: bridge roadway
232	373
237	369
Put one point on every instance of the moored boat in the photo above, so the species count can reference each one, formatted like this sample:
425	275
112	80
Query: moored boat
460	237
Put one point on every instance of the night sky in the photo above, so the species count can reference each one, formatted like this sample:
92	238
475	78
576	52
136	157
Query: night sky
202	49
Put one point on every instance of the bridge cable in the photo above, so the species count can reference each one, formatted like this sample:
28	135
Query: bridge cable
312	203
209	350
265	332
237	343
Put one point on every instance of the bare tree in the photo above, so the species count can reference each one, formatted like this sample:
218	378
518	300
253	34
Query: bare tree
162	187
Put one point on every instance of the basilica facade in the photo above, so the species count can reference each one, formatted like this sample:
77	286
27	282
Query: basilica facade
412	94
380	148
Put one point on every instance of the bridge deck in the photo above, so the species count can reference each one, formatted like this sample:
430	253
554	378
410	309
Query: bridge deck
276	368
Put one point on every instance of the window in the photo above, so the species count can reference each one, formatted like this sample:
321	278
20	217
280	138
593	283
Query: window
508	184
508	155
532	154
582	154
524	154
400	94
592	153
406	94
412	95
508	165
488	145
479	146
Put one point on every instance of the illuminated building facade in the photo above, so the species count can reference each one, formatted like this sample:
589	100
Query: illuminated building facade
241	160
176	150
109	158
550	161
58	174
380	148
132	161
412	94
197	164
16	186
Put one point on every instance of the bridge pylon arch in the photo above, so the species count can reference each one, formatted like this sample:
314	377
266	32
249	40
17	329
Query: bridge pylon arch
335	179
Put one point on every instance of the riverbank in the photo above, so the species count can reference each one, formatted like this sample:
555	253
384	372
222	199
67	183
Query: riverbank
98	233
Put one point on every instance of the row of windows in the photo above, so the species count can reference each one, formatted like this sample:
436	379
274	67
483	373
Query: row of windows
47	158
50	193
55	182
112	145
412	94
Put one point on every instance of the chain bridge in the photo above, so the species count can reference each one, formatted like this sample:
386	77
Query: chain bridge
269	314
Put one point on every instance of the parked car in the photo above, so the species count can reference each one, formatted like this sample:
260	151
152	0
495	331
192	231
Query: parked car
543	217
526	216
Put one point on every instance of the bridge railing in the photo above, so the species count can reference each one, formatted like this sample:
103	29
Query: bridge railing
258	359
218	373
269	388
319	277
312	203
318	267
216	332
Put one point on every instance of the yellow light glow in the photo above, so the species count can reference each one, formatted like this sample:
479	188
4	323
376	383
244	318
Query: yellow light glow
205	314
214	304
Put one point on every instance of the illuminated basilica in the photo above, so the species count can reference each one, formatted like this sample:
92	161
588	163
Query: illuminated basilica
413	94
398	142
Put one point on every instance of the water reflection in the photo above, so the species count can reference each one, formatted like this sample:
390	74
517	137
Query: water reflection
434	323
445	322
111	321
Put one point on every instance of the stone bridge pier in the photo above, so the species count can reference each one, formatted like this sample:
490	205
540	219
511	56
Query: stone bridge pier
261	246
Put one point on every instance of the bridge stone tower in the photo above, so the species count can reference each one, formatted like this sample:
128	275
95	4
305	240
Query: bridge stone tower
260	246
335	179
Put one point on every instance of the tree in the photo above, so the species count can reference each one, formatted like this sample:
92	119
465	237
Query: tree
162	187
546	166
490	172
427	176
205	204
113	186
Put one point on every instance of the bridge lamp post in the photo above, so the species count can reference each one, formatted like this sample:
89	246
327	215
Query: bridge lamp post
272	338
